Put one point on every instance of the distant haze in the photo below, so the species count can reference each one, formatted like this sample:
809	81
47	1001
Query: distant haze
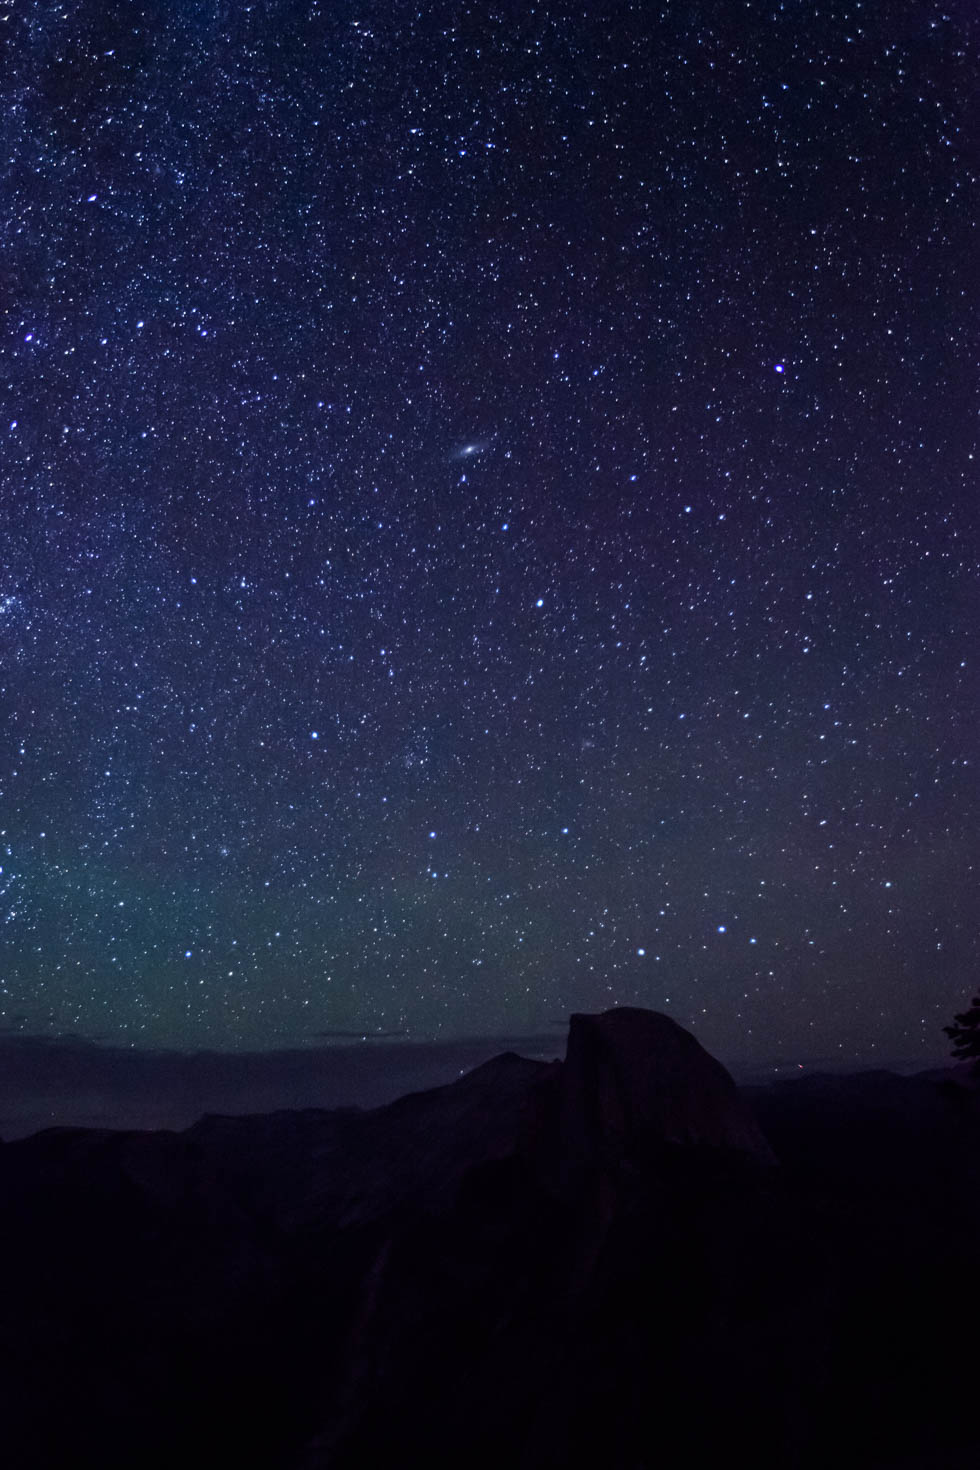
48	1083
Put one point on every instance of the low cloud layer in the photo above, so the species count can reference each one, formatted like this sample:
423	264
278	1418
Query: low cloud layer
46	1083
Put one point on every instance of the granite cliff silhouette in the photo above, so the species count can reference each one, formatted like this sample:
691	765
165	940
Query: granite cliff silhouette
616	1259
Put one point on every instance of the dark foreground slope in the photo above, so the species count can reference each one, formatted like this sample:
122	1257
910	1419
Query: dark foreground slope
599	1261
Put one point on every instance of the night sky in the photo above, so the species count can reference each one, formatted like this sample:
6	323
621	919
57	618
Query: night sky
488	519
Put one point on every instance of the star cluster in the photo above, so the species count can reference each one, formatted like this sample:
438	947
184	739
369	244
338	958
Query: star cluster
488	519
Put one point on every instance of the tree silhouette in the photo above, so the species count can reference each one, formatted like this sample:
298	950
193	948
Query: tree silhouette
965	1034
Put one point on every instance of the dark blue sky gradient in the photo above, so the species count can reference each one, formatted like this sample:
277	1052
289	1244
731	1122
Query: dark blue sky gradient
489	523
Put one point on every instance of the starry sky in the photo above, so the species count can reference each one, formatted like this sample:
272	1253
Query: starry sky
488	519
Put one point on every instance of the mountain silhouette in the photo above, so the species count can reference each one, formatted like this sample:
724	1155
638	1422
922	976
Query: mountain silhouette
618	1258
